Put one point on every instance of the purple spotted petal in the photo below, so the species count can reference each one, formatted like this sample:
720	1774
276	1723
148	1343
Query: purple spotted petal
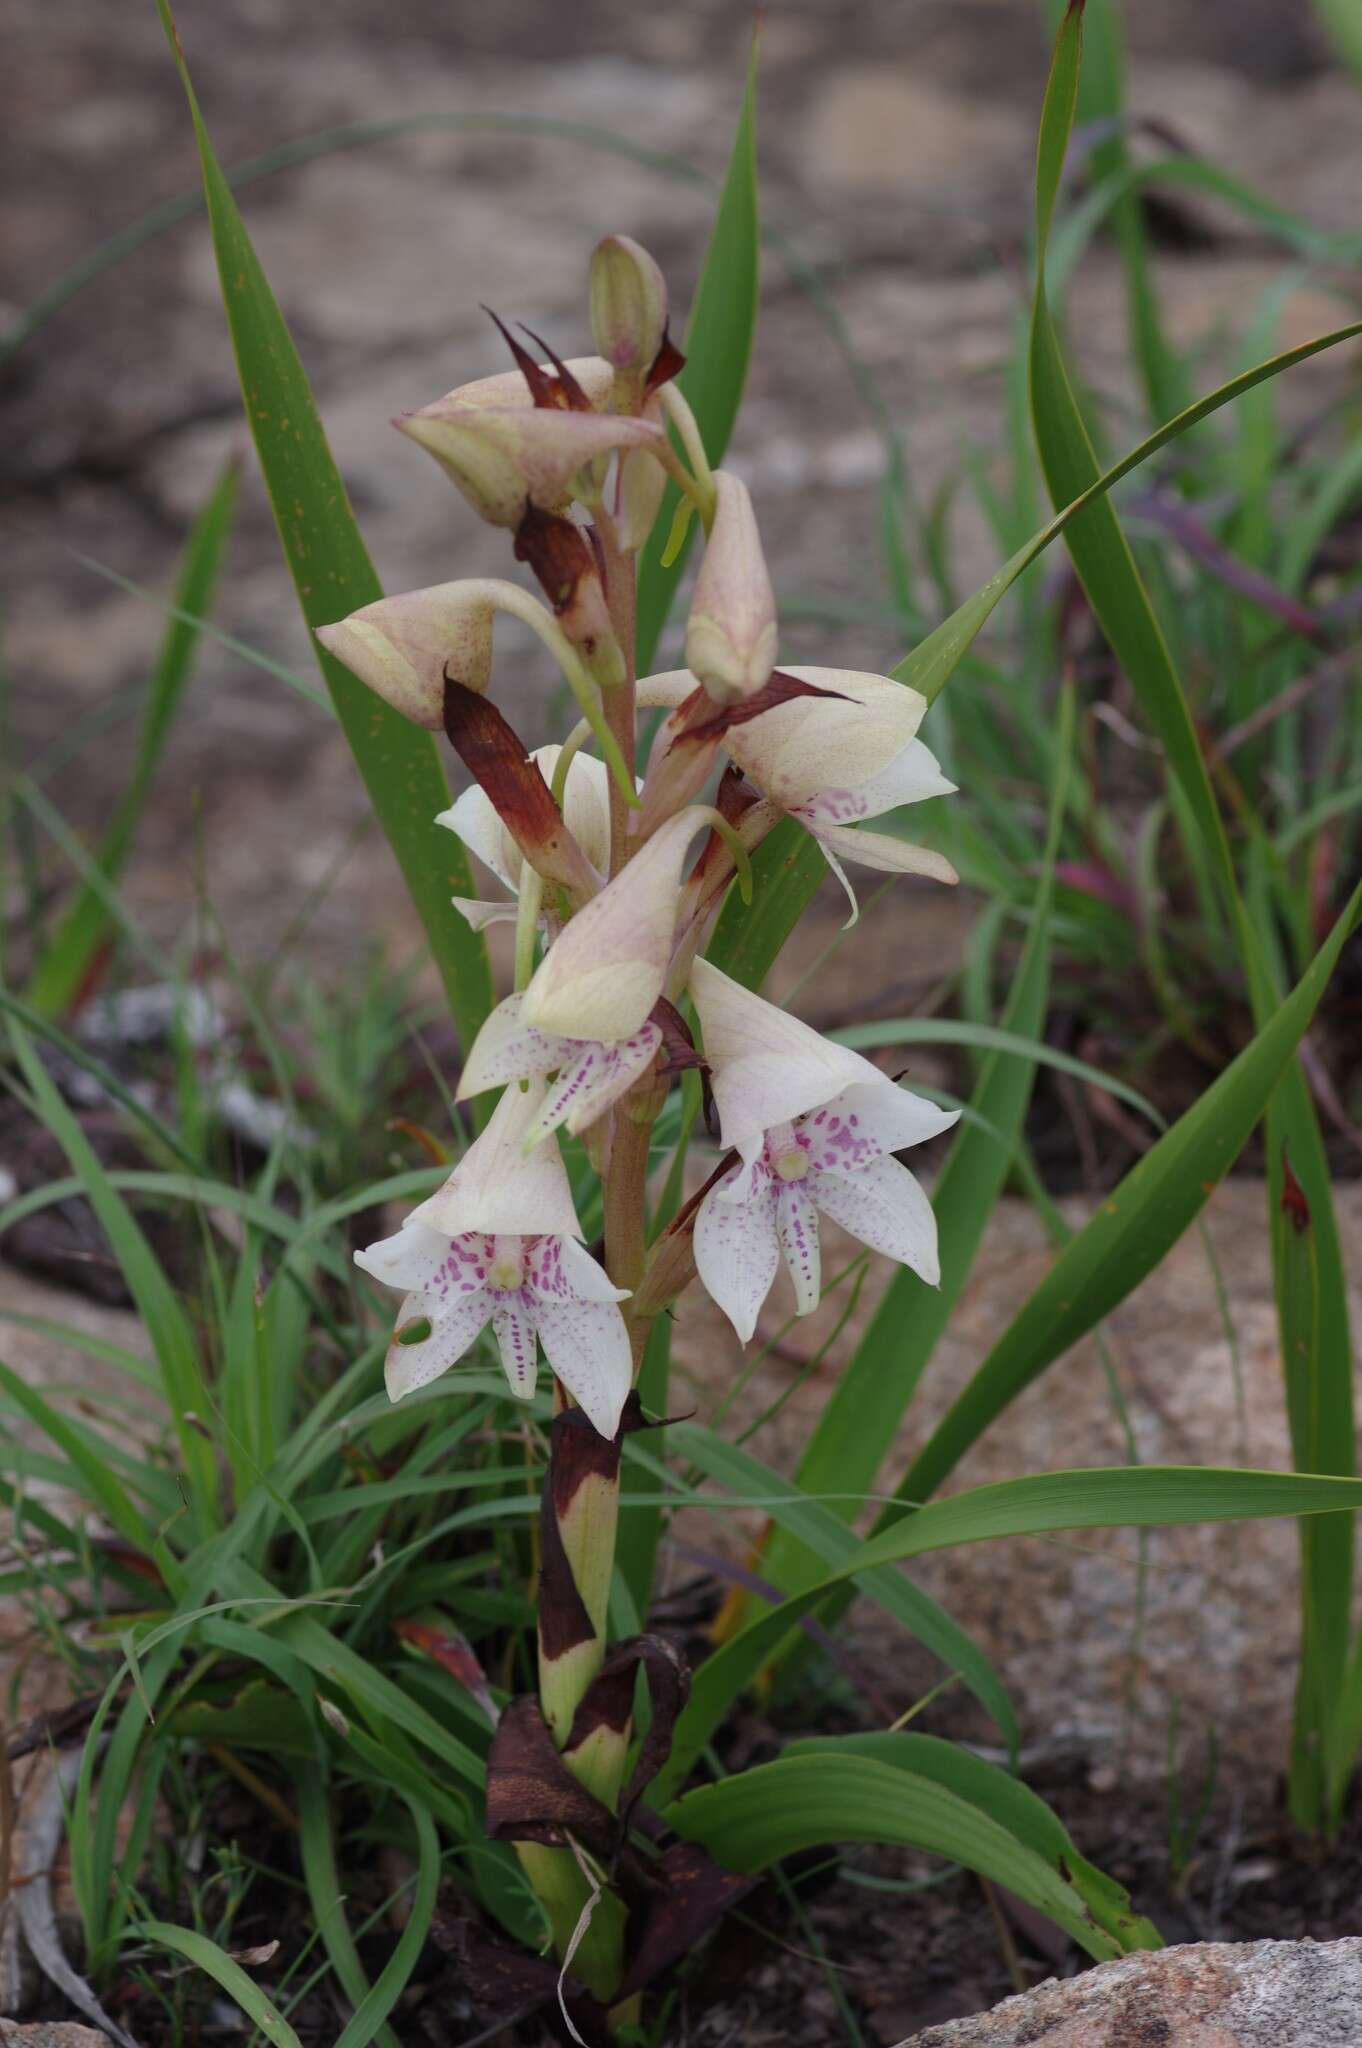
883	1206
797	1229
513	1324
867	1122
456	1304
507	1049
587	1345
593	1077
736	1247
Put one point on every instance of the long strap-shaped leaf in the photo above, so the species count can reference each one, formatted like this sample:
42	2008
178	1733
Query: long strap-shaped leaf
333	575
1106	1497
1311	1299
802	1801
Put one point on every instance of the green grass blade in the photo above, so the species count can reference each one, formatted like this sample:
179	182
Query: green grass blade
102	1490
64	967
216	1963
368	2022
800	1802
1136	1225
718	347
172	1337
333	575
1006	1800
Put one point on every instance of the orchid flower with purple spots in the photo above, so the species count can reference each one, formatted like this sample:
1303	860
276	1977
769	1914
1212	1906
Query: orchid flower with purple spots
815	1127
500	1243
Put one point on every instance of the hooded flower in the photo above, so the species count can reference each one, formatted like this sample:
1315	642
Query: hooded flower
586	813
815	1127
500	1242
831	764
402	646
507	452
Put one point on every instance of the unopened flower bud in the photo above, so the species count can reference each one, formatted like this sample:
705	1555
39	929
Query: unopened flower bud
402	646
504	458
628	305
606	970
731	632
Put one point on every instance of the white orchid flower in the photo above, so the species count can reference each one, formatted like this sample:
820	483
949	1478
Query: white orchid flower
832	763
815	1127
586	812
500	1242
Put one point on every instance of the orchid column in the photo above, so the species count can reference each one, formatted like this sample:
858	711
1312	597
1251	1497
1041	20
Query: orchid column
610	886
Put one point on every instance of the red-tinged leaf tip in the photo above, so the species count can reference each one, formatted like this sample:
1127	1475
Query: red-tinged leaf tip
1294	1203
1075	9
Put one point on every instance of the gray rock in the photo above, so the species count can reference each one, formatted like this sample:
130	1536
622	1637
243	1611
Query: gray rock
1259	1994
51	2034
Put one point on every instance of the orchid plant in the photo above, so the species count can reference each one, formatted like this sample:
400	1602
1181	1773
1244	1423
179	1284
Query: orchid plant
613	884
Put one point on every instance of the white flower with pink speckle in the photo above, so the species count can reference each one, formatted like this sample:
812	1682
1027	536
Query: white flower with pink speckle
815	1127
500	1243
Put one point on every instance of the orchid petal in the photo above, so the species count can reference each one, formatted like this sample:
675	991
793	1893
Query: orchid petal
479	915
767	1068
594	1078
840	875
575	1305
509	1049
797	1231
880	850
514	1328
410	1258
869	1122
562	1268
912	775
883	1206
496	1187
471	818
455	1321
587	1345
586	813
737	1250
